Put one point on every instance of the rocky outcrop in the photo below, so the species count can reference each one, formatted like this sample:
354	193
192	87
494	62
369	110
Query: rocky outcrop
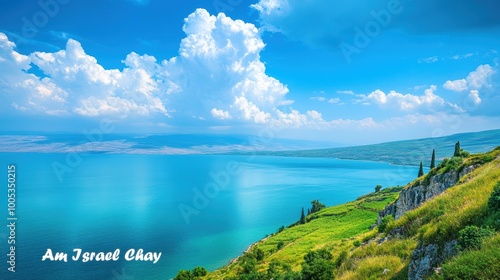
426	259
413	196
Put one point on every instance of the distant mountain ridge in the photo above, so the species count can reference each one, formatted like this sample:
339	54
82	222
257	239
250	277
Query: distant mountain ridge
408	152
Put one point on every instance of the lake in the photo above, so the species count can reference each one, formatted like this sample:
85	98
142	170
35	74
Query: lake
197	210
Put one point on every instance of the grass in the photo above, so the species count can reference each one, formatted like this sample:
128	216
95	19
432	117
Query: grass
475	264
361	253
336	228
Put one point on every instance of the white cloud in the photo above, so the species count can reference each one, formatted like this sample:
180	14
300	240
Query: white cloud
475	80
220	114
457	56
218	66
346	92
474	97
404	102
457	85
432	59
334	100
318	98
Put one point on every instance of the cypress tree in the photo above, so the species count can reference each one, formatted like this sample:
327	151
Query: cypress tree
421	170
302	217
433	159
457	149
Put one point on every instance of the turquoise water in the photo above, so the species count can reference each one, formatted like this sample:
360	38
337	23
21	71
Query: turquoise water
110	202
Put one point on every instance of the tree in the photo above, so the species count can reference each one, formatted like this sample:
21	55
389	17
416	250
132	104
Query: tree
457	149
378	188
302	217
433	159
318	265
184	275
421	170
199	271
316	206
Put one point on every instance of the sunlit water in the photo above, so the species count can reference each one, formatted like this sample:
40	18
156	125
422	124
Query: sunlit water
108	202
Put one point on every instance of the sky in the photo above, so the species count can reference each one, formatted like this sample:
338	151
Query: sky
360	72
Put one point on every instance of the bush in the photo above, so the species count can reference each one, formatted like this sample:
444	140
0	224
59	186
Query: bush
356	243
280	245
384	222
475	264
471	237
184	275
199	271
494	200
318	265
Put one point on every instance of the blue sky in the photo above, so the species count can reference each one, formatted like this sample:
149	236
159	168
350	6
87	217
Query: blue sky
355	73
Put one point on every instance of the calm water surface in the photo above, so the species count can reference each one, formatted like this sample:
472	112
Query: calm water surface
108	202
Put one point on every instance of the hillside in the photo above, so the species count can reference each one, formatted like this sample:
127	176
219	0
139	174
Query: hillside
408	152
442	230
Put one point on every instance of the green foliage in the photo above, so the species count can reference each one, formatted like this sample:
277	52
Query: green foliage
494	200
356	243
248	263
456	153
471	237
475	264
302	217
384	222
316	206
378	188
282	228
184	275
191	275
340	259
433	159
259	254
199	271
318	265
421	170
280	245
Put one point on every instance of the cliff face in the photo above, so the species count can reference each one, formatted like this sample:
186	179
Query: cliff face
412	197
426	257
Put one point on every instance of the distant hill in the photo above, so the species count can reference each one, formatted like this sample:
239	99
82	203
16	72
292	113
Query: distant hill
409	152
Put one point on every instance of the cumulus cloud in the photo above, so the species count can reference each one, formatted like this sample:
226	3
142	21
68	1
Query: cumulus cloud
456	85
476	80
474	97
217	74
220	114
404	102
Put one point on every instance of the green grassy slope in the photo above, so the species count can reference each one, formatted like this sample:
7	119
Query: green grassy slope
409	152
360	253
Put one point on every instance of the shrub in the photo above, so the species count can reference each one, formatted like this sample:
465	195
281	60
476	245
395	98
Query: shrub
280	245
356	243
317	265
475	264
184	275
471	237
384	222
199	271
494	200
